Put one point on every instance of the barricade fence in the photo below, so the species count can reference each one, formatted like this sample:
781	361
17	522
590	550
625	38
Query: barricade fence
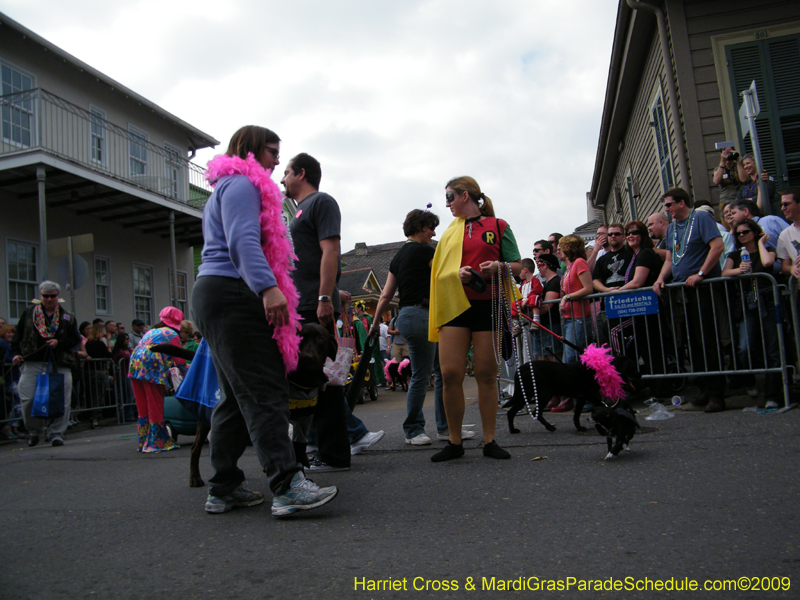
101	389
727	327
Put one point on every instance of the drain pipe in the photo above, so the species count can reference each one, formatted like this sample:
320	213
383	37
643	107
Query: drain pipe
683	165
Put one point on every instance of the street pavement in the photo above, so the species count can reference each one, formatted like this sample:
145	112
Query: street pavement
710	499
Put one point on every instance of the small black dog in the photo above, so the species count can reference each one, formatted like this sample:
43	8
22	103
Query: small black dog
557	379
618	424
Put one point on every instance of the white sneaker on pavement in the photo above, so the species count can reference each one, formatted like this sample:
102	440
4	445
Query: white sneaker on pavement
367	441
419	440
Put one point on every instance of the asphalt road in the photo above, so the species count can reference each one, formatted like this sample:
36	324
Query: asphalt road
703	498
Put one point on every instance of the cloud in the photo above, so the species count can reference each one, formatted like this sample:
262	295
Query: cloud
393	98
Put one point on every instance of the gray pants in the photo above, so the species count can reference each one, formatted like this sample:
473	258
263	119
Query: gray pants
254	392
27	389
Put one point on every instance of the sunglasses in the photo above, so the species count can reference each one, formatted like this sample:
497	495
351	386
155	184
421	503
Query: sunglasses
785	204
633	232
742	232
49	295
449	198
668	204
614	233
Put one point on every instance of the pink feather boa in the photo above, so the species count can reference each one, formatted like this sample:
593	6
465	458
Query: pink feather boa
405	364
386	368
274	242
599	360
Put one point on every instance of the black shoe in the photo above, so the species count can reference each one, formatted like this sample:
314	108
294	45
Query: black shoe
57	442
449	452
492	450
33	440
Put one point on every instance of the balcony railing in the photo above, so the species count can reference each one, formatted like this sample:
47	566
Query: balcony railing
38	120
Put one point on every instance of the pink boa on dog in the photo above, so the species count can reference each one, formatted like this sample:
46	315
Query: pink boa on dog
386	371
406	364
599	360
274	242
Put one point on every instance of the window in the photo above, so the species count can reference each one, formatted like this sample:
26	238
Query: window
138	151
773	64
102	285
631	194
659	124
173	165
179	299
22	280
143	293
17	109
97	121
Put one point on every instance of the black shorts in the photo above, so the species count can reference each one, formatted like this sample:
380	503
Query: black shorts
478	317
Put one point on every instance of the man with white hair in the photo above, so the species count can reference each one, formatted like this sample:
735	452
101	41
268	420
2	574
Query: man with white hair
45	330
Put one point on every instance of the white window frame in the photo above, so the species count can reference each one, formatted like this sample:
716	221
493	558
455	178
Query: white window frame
142	157
665	165
173	171
182	303
25	107
98	143
147	317
17	303
97	284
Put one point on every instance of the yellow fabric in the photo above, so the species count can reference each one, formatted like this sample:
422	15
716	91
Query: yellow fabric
448	299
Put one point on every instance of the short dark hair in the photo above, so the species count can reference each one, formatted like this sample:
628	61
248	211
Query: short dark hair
678	194
558	237
743	203
527	263
616	226
97	321
546	245
311	166
417	220
793	192
251	139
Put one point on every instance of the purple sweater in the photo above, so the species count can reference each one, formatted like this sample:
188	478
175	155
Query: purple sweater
232	235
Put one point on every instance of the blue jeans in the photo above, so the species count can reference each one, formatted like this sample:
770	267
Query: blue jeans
413	325
751	352
577	332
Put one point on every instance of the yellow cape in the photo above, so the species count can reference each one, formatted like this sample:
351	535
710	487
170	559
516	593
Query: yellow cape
448	299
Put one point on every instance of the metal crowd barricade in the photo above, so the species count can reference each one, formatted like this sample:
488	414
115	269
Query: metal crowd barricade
793	301
662	345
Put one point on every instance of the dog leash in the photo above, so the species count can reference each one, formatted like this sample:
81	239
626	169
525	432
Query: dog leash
555	335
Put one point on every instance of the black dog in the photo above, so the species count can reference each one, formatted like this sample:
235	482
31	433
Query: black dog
618	424
557	379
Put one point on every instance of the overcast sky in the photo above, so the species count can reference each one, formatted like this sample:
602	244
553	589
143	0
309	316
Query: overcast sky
393	98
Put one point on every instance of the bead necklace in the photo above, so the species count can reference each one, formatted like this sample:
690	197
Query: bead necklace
679	248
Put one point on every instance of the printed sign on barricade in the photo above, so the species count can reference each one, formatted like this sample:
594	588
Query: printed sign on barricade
631	305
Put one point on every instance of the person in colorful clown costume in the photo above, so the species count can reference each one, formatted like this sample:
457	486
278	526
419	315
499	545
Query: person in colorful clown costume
149	374
461	315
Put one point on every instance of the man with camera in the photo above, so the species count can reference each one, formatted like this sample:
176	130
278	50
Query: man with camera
726	175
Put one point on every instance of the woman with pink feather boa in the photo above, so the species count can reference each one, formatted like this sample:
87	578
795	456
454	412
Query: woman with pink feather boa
245	303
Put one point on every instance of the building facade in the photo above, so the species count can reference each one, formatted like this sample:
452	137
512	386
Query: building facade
86	162
677	70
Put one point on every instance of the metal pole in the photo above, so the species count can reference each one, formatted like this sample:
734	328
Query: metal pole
41	174
71	274
766	209
173	254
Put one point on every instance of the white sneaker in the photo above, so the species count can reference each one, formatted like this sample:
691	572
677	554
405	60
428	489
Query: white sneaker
466	434
771	404
367	441
303	494
419	440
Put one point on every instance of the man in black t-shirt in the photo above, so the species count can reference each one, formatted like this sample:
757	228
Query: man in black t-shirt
609	272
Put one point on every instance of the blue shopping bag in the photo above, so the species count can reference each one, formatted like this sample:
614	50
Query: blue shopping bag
200	384
48	400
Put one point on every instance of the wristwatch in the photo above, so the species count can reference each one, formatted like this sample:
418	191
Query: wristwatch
324	299
700	273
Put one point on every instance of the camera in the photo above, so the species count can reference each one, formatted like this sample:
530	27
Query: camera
732	156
